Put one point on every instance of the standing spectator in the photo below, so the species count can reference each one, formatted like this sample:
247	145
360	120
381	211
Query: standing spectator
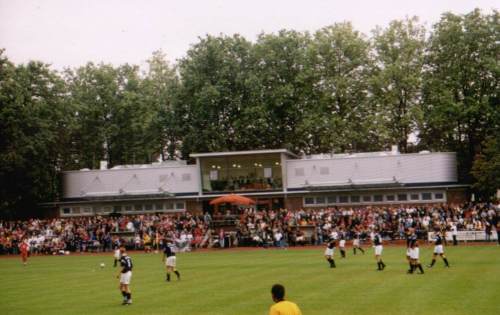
454	234
221	238
278	239
487	229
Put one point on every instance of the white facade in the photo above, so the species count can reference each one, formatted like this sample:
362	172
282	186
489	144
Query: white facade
371	169
319	181
146	180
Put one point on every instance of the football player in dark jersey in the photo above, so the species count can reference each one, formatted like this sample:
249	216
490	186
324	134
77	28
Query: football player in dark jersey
125	276
414	257
342	245
329	251
377	244
170	261
411	237
438	250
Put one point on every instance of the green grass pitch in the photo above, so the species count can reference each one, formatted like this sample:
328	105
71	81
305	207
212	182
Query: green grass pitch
238	282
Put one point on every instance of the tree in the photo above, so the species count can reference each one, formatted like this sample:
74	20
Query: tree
338	117
397	78
34	118
461	86
114	118
486	168
160	87
281	85
213	94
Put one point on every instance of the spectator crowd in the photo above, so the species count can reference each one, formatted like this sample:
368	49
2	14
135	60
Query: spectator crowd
250	227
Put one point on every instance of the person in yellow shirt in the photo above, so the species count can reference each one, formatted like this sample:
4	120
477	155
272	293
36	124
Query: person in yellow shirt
282	307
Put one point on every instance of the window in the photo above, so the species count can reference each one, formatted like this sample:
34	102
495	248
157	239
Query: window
378	198
106	209
169	206
159	206
97	209
414	197
186	177
66	210
331	199
87	209
355	198
308	200
138	207
320	200
324	170
268	172
127	208
148	207
426	196
179	206
402	197
343	199
389	197
214	175
117	208
438	196
367	198
299	172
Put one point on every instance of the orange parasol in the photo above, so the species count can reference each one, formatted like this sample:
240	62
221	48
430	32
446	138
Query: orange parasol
233	199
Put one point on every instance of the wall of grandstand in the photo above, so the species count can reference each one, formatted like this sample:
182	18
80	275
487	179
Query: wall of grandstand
466	236
147	180
133	207
366	169
375	198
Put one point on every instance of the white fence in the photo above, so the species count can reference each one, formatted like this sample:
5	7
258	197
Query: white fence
466	236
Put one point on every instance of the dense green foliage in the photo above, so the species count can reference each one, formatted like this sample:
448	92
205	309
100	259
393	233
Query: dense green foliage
332	91
239	282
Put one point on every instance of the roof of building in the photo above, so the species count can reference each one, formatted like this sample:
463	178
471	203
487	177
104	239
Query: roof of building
251	152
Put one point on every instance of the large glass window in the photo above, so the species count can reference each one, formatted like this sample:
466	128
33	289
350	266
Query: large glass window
320	200
242	173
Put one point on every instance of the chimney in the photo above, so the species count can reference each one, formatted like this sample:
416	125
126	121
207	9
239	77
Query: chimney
104	165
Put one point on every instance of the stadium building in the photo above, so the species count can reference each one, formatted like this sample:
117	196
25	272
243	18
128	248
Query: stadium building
274	178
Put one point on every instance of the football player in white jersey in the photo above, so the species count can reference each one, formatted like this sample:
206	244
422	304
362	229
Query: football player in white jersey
356	243
414	257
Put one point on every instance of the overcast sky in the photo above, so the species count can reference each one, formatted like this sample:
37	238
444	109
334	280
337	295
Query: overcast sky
71	33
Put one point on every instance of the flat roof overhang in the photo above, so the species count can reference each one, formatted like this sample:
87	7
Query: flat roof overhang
384	186
135	197
251	152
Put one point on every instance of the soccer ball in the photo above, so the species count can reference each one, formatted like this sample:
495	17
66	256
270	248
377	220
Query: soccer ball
103	265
